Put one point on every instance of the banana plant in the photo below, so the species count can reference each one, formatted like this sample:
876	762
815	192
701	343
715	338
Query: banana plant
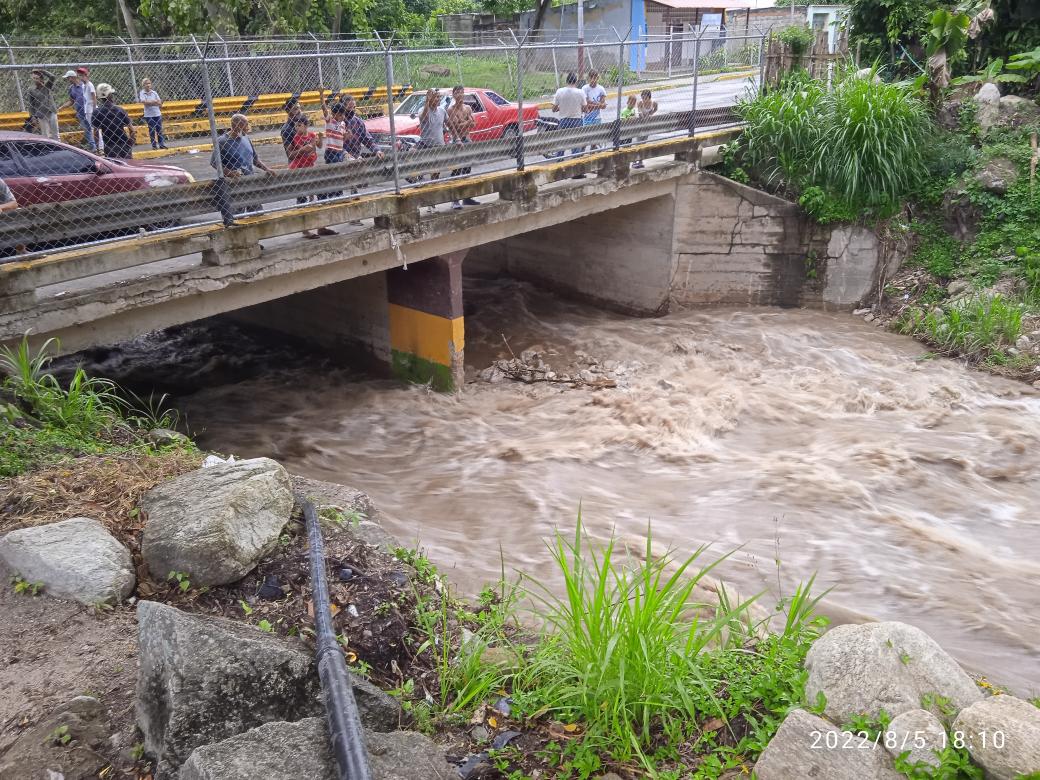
947	38
1028	62
992	73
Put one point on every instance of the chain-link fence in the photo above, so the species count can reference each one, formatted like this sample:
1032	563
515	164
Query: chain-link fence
169	134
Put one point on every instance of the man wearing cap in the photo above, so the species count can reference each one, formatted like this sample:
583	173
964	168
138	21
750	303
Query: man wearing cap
89	103
40	102
76	101
114	124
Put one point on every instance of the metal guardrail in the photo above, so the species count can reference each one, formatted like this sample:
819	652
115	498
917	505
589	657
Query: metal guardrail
51	224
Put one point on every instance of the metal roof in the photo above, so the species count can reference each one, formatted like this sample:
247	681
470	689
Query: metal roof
706	4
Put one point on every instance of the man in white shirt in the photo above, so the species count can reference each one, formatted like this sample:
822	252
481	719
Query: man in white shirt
89	104
569	102
152	113
595	100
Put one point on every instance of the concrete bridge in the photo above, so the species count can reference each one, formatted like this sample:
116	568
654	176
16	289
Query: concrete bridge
640	241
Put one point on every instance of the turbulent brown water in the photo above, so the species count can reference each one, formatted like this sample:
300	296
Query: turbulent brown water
908	484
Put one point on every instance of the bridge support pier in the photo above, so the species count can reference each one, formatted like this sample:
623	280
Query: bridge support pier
426	325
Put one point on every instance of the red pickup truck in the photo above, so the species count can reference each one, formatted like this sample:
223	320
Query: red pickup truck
495	116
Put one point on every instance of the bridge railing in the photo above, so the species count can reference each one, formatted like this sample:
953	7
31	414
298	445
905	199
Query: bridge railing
258	153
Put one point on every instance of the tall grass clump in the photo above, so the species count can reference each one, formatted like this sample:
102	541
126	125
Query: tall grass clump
43	418
859	142
622	644
979	326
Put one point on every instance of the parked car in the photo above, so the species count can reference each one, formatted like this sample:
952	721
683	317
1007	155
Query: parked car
39	170
495	117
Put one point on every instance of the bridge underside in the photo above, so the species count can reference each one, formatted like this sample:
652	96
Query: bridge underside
637	241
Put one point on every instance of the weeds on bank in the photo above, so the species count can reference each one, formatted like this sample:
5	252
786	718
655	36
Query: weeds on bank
980	326
630	670
43	419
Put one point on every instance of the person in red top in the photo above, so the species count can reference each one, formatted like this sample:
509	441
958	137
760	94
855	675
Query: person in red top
303	153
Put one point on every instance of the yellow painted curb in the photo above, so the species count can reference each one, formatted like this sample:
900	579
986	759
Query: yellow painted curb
734	76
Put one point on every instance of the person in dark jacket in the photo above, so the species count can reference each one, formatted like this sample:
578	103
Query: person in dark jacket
40	101
114	124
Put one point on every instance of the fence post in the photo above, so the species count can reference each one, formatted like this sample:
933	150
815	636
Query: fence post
762	59
227	66
388	58
134	86
671	48
519	101
696	82
458	61
221	195
14	73
317	52
556	69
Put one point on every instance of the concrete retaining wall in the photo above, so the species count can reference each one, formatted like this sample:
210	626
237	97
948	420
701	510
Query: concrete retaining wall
713	241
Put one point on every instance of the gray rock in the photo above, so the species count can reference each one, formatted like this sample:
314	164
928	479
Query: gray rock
863	669
958	287
1022	342
961	216
988	102
808	746
162	437
36	753
74	559
215	524
204	679
1002	734
291	751
918	732
1016	111
997	176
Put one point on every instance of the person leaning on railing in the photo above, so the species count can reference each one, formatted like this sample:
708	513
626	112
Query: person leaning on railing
7	200
235	154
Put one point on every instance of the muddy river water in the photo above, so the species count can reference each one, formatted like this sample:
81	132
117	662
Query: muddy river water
908	484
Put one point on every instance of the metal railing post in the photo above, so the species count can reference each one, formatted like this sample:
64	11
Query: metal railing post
317	50
620	87
519	102
134	86
227	65
556	68
696	82
389	61
221	195
671	50
14	73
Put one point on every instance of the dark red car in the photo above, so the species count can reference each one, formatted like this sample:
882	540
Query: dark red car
495	116
39	170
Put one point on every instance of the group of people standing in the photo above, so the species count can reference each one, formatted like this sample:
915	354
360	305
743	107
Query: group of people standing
106	125
581	106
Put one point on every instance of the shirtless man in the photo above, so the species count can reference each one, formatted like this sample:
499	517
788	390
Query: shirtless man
460	122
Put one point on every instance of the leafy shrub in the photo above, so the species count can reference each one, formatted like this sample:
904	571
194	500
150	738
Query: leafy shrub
825	209
798	38
937	251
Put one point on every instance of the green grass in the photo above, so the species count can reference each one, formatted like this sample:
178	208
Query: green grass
977	327
497	73
43	420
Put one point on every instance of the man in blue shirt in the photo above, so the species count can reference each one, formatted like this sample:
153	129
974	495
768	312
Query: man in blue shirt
236	154
77	101
355	134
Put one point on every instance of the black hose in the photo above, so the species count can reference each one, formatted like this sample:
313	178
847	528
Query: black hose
348	739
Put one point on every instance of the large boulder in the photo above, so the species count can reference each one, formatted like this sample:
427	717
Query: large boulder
987	102
808	746
997	176
74	559
919	734
288	751
863	669
203	679
1016	111
44	752
215	524
1002	734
